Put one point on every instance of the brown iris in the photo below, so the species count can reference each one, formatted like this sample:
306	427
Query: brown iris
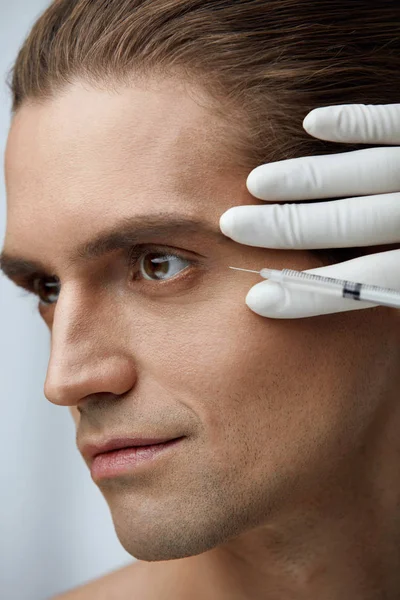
156	266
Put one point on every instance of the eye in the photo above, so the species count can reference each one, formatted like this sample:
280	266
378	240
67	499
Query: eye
46	289
158	266
151	265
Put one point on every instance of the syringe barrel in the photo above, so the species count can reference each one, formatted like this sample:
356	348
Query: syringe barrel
307	281
335	287
377	295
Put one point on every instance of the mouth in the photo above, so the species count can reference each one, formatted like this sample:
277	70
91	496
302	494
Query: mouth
91	450
129	459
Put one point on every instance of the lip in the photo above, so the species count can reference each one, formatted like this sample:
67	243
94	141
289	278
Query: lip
91	450
129	461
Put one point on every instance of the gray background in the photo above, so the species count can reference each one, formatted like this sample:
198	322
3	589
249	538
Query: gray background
56	531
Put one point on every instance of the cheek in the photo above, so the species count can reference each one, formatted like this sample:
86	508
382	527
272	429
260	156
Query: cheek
209	345
248	378
226	363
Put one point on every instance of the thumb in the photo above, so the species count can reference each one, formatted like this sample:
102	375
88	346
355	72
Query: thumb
289	301
276	301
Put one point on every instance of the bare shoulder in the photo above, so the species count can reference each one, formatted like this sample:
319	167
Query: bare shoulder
123	584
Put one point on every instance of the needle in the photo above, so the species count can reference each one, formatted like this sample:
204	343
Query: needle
248	270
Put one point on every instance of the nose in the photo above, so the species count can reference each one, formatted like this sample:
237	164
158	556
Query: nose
89	355
70	380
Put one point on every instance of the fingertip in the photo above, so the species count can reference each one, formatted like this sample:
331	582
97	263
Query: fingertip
255	181
226	222
309	122
318	122
264	297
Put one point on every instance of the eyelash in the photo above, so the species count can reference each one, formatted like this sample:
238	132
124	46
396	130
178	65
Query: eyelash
133	259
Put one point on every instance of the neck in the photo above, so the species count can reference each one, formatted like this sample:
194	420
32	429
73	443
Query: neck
344	556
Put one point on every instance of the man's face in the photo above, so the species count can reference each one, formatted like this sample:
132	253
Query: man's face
268	407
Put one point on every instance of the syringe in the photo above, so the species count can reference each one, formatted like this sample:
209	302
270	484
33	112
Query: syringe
332	287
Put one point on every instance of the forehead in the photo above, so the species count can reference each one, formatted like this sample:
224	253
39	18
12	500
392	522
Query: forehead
88	153
138	121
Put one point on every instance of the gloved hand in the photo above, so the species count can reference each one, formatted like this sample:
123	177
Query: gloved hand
370	217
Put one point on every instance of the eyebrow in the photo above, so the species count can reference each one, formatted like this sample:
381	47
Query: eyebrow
125	234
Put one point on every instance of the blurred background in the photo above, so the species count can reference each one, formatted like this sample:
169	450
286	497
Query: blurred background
56	531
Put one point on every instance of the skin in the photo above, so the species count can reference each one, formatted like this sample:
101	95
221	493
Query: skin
287	483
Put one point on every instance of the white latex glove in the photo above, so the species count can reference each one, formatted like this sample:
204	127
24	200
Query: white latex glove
370	217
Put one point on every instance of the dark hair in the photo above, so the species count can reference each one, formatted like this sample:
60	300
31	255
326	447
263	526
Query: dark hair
264	64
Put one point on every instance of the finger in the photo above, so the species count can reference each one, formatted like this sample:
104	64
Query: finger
363	172
276	301
352	222
355	123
